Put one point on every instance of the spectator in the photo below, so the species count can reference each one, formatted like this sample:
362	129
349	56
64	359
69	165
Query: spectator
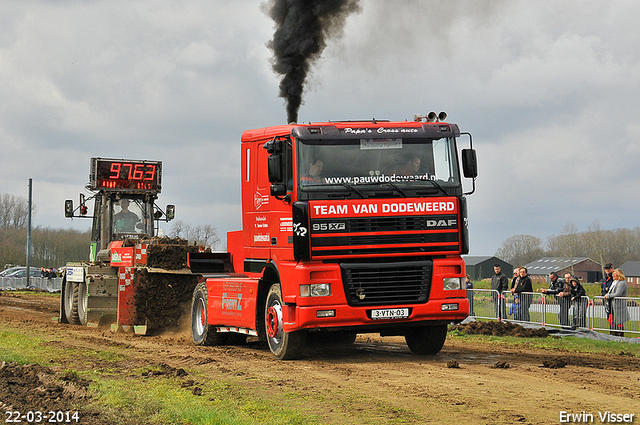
469	286
516	310
606	283
562	291
617	308
43	272
608	279
499	283
579	304
523	288
516	275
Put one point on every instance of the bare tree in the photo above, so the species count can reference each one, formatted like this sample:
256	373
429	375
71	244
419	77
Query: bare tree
596	241
14	211
569	244
520	249
177	229
199	235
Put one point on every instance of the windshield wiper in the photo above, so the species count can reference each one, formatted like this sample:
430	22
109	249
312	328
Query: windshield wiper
354	189
437	185
395	186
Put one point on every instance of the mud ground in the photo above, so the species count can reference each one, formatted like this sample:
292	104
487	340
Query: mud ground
376	380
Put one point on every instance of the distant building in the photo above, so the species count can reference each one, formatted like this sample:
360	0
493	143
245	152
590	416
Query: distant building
585	269
631	270
481	267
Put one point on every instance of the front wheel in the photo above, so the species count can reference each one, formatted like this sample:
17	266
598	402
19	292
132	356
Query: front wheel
66	303
283	345
79	304
426	339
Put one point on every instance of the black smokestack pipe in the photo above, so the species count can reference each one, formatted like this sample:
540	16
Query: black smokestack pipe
302	28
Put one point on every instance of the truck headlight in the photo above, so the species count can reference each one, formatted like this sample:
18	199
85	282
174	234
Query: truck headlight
452	283
315	290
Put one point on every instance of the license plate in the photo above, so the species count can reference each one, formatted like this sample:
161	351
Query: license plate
390	313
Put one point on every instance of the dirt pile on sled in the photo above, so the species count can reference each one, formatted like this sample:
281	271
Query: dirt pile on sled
170	254
163	292
163	299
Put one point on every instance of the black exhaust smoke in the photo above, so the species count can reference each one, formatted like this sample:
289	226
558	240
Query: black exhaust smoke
302	28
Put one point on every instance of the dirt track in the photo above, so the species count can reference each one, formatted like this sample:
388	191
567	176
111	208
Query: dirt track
377	380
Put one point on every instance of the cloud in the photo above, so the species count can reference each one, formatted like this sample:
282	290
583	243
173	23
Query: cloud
549	91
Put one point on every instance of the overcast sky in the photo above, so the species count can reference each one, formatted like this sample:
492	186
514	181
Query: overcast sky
550	91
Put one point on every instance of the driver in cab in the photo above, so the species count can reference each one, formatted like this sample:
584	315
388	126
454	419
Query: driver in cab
125	221
314	174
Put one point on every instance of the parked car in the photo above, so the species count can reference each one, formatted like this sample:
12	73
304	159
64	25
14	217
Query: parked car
22	272
5	272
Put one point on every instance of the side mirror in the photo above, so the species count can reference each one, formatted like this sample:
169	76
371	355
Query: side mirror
469	163
275	168
278	189
171	212
68	208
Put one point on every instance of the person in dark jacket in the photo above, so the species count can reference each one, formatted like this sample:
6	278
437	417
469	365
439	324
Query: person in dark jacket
523	289
608	279
562	291
579	304
499	283
606	283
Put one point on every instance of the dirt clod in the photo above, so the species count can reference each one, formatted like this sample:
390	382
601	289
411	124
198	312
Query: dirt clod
554	363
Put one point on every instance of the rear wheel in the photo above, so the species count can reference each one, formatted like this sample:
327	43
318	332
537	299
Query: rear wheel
426	339
203	334
79	304
283	345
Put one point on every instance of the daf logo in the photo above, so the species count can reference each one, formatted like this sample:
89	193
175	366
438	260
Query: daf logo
442	223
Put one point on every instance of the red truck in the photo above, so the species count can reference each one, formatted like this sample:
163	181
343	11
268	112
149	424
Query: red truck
348	227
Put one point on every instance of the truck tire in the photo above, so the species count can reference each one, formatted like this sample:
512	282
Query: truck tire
79	304
202	332
426	340
66	306
283	345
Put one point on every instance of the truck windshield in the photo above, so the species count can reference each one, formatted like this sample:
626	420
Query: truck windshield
352	164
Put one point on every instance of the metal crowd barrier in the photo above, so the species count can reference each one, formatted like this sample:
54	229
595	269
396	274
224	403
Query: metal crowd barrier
46	284
600	320
482	303
549	310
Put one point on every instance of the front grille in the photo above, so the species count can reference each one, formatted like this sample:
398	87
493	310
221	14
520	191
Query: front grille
340	237
382	224
370	284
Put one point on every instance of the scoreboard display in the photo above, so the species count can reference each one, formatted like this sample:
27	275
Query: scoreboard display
125	175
